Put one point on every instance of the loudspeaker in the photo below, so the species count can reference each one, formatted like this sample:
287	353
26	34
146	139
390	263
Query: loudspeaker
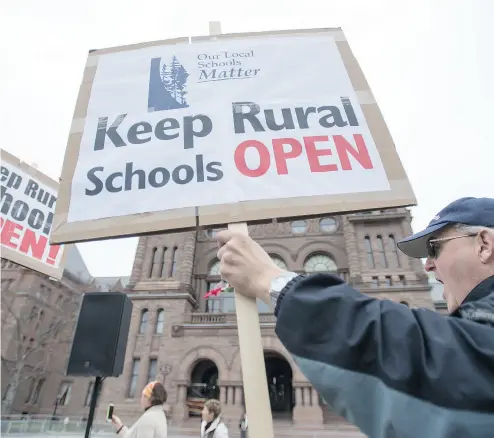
101	333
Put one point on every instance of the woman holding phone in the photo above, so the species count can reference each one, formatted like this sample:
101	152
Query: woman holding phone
152	423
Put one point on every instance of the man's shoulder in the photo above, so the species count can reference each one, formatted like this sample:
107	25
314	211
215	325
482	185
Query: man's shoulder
480	309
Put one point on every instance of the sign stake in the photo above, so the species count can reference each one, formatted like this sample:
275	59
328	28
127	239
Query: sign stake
256	393
252	359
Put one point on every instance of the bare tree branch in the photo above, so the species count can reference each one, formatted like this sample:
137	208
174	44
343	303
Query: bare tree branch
33	340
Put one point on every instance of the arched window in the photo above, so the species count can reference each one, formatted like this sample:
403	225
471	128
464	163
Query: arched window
144	321
204	376
320	263
152	369
223	303
328	225
174	261
214	269
368	251
153	259
394	250
381	252
299	227
160	321
134	376
163	273
278	261
212	232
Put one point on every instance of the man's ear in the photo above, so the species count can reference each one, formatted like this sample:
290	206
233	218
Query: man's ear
485	246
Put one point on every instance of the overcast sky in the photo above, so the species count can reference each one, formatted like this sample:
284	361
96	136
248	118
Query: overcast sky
430	65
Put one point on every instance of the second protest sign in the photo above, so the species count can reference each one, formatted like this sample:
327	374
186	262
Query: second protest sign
28	202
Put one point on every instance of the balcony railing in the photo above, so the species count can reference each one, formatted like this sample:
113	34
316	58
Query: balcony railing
390	213
224	318
208	318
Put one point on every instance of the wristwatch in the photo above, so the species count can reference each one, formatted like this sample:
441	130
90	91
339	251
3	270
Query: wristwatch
278	284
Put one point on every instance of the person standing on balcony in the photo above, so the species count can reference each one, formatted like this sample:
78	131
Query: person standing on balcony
391	370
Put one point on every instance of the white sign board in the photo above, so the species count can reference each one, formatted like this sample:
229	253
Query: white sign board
28	200
214	124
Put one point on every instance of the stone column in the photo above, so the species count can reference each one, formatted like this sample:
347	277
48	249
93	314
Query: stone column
315	397
223	395
308	412
185	267
351	246
180	409
139	264
299	401
231	395
308	396
298	409
239	396
235	406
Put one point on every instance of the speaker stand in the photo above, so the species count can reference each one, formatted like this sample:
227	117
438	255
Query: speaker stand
92	407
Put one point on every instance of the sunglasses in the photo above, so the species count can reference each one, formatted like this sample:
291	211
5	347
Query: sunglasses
434	245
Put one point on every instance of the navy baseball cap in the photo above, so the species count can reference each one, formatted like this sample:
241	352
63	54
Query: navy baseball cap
467	211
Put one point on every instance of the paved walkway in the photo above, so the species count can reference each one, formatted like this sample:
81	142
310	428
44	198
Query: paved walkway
327	434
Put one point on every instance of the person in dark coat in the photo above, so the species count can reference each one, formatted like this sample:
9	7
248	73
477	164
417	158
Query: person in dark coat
391	370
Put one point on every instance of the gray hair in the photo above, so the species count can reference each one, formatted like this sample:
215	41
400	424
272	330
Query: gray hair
471	229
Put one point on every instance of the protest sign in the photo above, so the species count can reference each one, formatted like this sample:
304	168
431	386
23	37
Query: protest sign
223	129
28	199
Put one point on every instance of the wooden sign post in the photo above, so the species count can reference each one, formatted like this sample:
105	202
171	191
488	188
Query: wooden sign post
256	392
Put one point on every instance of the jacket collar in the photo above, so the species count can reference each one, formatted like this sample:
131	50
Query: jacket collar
478	306
213	425
154	408
480	291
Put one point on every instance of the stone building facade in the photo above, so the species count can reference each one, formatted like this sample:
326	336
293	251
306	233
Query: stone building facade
38	317
191	344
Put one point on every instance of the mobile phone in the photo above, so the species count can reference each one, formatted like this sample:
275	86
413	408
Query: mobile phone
109	411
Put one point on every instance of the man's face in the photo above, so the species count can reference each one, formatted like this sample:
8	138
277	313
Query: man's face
457	266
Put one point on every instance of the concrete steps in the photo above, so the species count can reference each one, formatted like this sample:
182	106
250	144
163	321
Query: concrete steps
283	429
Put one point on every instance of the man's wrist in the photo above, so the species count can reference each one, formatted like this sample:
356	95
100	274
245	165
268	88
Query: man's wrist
269	276
278	283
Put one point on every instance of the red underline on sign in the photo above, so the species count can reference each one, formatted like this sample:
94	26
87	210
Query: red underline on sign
223	79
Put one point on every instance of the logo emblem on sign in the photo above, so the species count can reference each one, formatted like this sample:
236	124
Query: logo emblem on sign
167	85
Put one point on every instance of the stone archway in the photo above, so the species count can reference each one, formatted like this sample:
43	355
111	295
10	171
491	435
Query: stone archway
280	387
204	380
199	374
203	385
273	345
189	361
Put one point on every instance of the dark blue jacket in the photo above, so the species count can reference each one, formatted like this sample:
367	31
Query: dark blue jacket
390	370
